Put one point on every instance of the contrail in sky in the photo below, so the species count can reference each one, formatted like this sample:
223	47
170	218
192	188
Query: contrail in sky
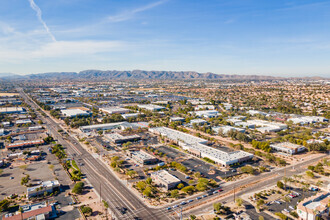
39	13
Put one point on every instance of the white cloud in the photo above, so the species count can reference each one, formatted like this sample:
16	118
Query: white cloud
129	14
69	48
39	15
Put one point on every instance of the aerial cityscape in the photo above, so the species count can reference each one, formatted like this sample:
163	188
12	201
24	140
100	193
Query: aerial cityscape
184	110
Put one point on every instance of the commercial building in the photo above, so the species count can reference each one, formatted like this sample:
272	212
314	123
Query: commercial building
47	186
35	128
198	121
130	115
314	206
267	126
205	113
2	131
307	120
74	113
198	147
174	119
114	110
24	144
12	110
226	128
119	139
227	106
143	158
165	179
152	107
244	124
6	124
206	107
288	148
255	112
23	121
110	126
39	211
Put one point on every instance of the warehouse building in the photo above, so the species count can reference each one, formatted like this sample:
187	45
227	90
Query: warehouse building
114	110
198	121
12	110
143	158
206	107
119	139
226	128
174	119
288	148
307	120
109	126
165	179
23	121
267	126
152	107
2	131
130	115
198	147
70	113
255	112
205	113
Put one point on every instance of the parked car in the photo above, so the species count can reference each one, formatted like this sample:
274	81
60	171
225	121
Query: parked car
183	203
278	202
291	207
220	190
203	196
168	208
190	200
285	210
198	198
175	206
215	192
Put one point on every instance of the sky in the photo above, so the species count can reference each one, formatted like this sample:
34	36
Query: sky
263	37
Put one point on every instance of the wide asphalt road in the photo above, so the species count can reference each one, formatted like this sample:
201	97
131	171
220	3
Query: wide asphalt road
122	202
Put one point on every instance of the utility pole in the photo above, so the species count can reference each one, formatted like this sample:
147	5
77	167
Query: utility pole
100	192
234	193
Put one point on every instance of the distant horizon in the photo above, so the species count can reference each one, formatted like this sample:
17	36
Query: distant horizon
327	76
243	37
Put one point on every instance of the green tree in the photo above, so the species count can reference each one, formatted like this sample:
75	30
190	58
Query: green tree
310	174
180	186
25	180
239	202
280	185
188	189
78	188
192	217
148	191
4	205
217	206
175	193
86	210
148	181
141	185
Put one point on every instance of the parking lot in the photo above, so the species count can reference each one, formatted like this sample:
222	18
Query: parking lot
172	153
207	170
11	177
281	205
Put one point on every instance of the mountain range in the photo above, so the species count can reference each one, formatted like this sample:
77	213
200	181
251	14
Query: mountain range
99	75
